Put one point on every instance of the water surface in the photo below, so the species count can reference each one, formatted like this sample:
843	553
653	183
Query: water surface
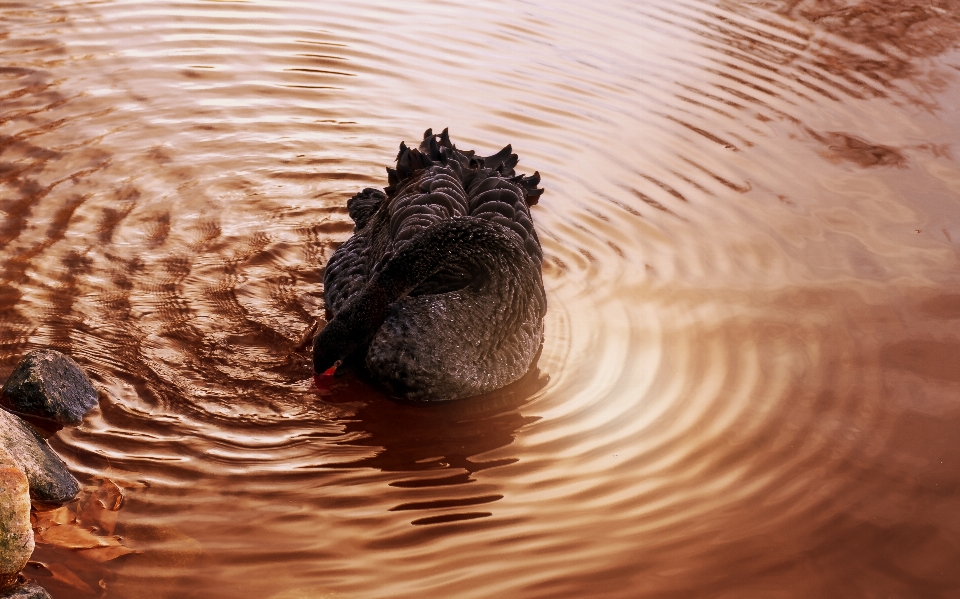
750	384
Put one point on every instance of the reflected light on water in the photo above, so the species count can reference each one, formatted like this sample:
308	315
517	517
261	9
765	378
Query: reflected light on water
751	225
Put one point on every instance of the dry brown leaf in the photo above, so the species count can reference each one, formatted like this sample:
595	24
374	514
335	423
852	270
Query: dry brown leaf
101	508
108	492
75	537
44	520
74	526
105	554
110	495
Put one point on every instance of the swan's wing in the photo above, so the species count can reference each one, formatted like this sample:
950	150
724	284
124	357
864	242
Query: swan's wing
504	201
364	205
346	272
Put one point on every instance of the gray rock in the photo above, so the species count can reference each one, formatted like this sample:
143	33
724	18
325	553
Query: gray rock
49	478
49	384
16	534
30	590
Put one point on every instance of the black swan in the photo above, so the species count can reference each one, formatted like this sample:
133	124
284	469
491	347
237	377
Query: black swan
438	294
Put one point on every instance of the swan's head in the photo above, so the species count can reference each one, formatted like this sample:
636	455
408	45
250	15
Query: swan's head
331	346
352	329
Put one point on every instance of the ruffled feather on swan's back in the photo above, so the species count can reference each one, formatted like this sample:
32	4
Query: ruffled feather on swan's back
431	183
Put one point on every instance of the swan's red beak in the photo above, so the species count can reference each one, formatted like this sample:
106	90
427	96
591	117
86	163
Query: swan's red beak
325	380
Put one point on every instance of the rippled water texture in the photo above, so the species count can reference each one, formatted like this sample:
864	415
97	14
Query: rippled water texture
750	385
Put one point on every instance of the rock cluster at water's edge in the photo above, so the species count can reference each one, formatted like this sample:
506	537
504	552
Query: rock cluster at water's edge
51	387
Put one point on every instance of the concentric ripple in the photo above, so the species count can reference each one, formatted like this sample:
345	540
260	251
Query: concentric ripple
752	239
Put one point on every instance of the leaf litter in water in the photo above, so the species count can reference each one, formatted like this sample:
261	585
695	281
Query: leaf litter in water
74	540
85	527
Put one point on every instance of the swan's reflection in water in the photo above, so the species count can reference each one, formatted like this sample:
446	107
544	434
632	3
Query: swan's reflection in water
436	445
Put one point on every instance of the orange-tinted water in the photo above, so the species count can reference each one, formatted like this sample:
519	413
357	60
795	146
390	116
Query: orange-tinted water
750	385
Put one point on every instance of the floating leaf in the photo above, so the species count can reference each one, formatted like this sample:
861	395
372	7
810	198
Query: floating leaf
101	508
74	537
81	526
44	520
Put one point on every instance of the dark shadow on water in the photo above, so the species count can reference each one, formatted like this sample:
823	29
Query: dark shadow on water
435	445
421	436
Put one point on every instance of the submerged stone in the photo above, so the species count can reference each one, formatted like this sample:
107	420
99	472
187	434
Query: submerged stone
49	384
30	590
16	534
49	478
